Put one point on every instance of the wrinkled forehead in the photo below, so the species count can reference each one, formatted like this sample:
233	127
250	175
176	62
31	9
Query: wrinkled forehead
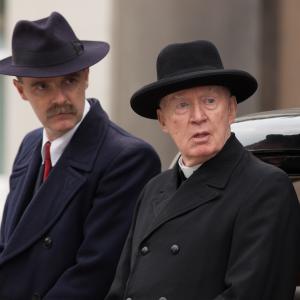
205	90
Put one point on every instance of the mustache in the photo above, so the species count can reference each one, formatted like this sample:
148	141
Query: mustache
60	109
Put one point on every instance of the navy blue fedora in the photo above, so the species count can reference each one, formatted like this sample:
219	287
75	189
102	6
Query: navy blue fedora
185	65
48	48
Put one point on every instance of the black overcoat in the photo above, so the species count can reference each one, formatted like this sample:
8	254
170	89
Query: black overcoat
64	242
229	232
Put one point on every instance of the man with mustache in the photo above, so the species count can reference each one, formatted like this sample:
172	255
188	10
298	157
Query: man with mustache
75	181
66	108
221	224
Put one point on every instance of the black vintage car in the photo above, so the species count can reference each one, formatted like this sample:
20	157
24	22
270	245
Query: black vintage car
274	137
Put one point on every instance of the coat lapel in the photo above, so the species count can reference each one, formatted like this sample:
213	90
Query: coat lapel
64	181
43	210
205	185
164	195
190	195
27	170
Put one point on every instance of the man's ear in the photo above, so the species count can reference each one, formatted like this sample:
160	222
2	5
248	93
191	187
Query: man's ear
232	109
161	120
86	77
20	88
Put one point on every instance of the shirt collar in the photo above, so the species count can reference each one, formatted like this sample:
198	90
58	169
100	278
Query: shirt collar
187	171
58	145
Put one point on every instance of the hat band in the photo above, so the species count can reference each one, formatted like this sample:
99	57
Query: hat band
185	71
23	58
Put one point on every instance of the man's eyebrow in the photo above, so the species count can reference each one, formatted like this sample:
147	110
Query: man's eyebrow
177	95
75	74
38	82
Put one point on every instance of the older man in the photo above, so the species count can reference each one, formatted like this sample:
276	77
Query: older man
75	181
221	224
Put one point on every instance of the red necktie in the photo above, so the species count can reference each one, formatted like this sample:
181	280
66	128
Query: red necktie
47	161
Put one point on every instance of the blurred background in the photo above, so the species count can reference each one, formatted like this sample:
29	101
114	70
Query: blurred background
259	36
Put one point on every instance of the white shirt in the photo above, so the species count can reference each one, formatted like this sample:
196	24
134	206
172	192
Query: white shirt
58	145
187	171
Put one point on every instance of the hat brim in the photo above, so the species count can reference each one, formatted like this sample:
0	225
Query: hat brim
93	52
146	100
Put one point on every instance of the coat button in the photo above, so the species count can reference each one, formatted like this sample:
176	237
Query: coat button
145	250
36	297
174	249
47	242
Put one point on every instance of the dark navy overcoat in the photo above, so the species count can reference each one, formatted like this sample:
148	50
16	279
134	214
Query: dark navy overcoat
64	242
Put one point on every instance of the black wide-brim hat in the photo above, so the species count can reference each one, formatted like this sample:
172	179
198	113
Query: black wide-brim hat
48	48
186	65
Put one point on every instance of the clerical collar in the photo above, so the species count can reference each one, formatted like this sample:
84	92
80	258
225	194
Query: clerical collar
187	171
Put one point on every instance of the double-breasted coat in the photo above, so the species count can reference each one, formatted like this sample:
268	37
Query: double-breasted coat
64	242
229	232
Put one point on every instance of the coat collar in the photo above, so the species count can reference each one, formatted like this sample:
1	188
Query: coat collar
68	175
87	140
217	171
206	184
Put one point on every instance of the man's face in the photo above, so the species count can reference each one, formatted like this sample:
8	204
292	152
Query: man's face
198	120
58	102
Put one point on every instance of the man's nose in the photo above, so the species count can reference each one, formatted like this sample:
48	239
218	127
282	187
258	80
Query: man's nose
197	113
60	96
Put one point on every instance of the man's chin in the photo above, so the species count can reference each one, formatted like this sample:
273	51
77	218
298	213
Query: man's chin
202	156
62	129
62	116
